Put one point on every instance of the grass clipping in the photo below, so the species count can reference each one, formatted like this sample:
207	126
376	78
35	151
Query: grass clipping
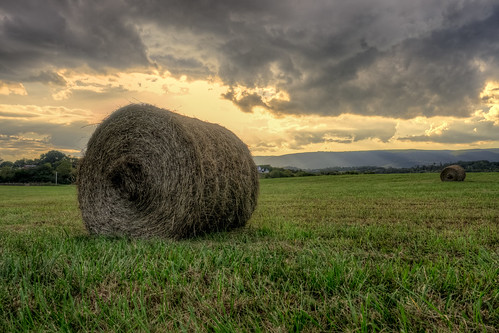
148	172
452	173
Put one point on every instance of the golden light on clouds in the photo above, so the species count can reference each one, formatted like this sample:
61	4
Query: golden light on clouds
16	88
490	98
266	133
34	129
52	114
267	94
490	93
282	75
437	129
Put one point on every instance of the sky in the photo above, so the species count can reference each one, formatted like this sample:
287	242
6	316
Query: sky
286	76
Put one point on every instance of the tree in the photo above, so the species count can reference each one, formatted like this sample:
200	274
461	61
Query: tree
6	172
64	172
22	162
23	176
52	157
6	164
44	173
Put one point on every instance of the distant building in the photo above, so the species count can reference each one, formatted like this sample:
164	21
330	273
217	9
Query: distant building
262	170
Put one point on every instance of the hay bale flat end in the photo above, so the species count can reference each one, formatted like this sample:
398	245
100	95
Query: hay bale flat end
452	173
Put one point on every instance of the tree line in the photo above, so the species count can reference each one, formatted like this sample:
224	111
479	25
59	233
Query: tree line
469	166
53	166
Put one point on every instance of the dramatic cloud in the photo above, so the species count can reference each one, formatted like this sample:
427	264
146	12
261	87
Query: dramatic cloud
312	133
48	77
399	59
401	72
37	35
481	127
34	130
7	88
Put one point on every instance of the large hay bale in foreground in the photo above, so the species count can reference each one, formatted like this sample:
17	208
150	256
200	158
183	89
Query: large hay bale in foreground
149	172
452	173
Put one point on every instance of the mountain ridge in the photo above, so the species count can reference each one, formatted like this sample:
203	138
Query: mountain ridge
399	158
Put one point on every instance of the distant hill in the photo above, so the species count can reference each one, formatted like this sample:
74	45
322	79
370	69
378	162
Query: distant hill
378	158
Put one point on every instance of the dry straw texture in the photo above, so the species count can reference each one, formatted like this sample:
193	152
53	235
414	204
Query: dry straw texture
148	172
452	173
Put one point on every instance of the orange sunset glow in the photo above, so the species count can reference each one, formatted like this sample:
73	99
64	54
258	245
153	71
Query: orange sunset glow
286	77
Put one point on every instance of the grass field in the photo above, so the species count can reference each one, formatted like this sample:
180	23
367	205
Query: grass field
331	253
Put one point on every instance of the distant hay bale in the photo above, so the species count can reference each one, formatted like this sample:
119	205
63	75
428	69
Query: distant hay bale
453	173
149	172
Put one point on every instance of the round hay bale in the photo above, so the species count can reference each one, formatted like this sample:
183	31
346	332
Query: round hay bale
148	172
452	173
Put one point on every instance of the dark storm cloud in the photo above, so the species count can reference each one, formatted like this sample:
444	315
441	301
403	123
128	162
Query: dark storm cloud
397	59
390	58
178	66
47	77
435	73
35	34
246	102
